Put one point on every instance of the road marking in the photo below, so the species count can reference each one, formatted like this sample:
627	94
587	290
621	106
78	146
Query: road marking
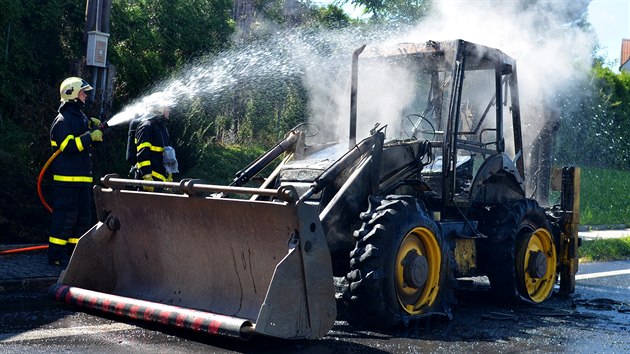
602	274
63	332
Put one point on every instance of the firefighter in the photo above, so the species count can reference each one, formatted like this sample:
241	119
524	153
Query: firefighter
154	162
72	170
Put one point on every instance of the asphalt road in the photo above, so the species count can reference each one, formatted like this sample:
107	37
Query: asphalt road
595	319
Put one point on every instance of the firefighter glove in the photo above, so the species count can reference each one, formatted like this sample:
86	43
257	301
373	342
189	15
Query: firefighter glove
96	135
94	123
147	177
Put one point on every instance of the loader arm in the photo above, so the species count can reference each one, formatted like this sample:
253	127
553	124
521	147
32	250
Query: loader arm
287	144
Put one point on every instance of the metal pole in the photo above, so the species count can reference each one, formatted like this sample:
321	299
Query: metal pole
98	16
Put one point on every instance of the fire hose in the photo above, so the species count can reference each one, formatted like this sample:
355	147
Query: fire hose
41	177
24	249
52	157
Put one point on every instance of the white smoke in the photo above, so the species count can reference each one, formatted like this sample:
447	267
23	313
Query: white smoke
552	55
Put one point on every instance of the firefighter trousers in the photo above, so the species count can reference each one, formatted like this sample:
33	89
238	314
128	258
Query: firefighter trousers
72	216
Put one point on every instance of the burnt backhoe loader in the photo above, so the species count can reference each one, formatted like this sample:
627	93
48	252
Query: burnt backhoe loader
385	227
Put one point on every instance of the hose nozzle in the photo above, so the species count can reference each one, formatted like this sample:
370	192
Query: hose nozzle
103	126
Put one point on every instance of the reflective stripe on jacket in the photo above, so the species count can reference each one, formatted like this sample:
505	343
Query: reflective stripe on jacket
151	138
70	134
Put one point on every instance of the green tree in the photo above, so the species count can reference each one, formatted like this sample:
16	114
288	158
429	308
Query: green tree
595	130
332	17
151	38
394	10
40	45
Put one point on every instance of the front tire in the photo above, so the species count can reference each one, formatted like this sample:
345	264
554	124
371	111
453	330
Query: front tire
399	267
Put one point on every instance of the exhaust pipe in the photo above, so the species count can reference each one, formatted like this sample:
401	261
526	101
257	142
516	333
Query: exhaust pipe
353	96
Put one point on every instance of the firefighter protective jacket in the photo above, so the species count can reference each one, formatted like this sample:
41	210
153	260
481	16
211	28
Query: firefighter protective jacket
70	134
151	138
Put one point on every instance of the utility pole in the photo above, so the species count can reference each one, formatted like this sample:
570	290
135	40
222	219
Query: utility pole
95	40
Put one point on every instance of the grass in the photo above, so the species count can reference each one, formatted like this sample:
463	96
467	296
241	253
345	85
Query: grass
605	200
220	163
605	250
604	197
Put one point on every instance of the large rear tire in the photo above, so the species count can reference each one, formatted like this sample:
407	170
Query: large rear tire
399	269
519	257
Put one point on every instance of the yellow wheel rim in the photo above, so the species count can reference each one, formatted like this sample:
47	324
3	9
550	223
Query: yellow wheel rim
418	264
537	265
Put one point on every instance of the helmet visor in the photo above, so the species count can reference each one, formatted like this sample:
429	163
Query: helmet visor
85	86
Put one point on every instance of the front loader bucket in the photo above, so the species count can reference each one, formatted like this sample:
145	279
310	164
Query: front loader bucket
259	266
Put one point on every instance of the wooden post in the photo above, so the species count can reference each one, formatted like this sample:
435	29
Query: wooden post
570	205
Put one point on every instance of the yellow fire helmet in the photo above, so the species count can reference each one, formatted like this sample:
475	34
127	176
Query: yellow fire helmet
70	87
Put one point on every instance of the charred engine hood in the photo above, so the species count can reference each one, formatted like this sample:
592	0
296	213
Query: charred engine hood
308	169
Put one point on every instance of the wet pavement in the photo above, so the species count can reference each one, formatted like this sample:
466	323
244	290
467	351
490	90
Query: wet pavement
596	234
592	321
26	270
595	319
